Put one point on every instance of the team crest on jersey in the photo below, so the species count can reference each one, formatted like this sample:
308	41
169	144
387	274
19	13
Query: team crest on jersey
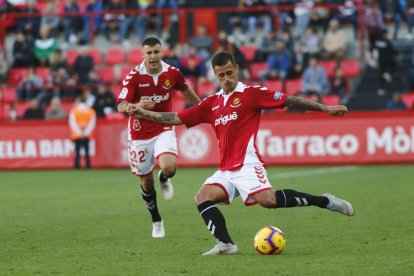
236	102
167	84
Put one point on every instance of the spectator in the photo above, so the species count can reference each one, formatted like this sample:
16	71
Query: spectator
71	23
34	111
410	73
83	65
50	17
29	24
57	61
334	42
113	20
314	78
93	6
252	19
311	42
224	44
12	116
82	121
105	102
299	60
374	22
94	81
172	57
396	103
192	65
45	46
58	82
302	12
30	87
286	17
400	13
23	54
238	36
203	42
410	9
133	20
319	15
88	97
55	111
348	13
267	47
386	60
338	84
4	68
279	64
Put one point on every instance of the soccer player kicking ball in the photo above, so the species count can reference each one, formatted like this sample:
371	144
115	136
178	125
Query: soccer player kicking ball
155	81
234	113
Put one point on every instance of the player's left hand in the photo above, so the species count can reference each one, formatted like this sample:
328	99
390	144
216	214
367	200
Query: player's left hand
134	109
337	110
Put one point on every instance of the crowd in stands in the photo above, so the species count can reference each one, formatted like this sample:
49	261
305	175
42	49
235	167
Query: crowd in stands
308	54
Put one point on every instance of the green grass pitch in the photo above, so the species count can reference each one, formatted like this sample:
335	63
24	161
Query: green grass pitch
95	223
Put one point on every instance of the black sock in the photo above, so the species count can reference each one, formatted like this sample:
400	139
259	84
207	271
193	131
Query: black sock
150	199
164	178
290	198
215	221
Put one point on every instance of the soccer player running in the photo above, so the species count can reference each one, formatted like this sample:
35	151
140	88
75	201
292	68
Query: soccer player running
234	113
153	80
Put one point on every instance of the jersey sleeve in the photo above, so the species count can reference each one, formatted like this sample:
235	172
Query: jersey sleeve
181	83
128	87
268	99
197	114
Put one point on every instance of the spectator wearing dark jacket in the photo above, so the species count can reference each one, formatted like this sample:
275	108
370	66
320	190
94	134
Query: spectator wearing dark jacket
83	65
279	64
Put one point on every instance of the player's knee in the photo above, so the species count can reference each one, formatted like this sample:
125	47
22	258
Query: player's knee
169	171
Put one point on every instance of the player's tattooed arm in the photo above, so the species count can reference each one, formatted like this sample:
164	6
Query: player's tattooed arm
167	118
305	104
123	106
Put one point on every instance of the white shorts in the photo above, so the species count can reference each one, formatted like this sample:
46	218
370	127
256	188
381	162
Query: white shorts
141	153
249	180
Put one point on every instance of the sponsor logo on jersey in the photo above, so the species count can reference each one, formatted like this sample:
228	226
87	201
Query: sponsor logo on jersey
214	108
156	98
167	84
124	93
224	119
144	85
236	102
278	95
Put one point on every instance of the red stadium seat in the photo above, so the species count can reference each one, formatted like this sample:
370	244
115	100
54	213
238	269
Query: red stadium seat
205	89
115	56
135	57
408	99
329	66
106	74
96	55
125	71
293	87
248	51
275	85
44	73
256	68
16	75
71	56
115	116
351	68
8	94
331	100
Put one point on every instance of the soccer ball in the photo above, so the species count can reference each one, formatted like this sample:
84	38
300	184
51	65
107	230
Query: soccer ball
269	240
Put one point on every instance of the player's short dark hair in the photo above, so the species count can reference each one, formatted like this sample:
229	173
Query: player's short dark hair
151	41
222	58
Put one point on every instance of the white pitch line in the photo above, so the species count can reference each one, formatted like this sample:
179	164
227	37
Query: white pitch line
331	170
